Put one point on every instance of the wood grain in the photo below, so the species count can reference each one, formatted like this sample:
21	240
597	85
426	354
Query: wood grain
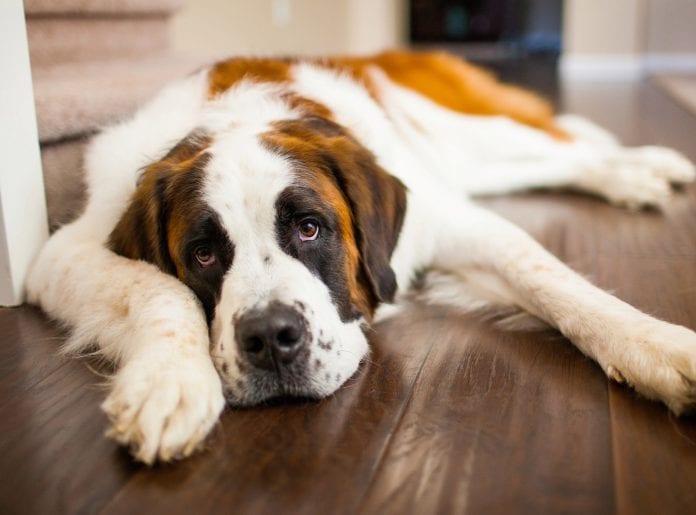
303	457
449	414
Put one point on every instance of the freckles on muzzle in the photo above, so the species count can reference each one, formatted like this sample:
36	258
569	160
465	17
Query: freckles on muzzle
269	355
275	338
285	350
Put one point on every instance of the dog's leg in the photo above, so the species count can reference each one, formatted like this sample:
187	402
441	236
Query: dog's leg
657	358
165	395
629	177
488	155
594	163
586	130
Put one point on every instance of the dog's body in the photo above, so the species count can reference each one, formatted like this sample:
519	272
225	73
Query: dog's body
244	226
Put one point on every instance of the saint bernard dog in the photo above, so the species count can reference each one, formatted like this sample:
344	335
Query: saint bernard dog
243	228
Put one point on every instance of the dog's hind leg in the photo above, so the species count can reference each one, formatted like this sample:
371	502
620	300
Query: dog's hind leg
629	177
585	130
165	395
657	358
489	155
594	163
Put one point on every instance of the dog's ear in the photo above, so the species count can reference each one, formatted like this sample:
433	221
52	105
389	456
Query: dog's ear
142	231
377	200
378	203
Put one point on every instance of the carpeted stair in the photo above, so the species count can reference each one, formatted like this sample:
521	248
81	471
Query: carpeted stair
93	62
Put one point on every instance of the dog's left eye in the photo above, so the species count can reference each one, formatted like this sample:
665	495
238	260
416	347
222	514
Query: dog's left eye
204	255
308	229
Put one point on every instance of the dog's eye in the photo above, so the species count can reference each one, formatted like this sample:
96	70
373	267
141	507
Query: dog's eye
204	256
308	229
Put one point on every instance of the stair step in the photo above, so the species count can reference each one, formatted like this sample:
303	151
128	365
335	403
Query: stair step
77	99
63	172
102	7
78	39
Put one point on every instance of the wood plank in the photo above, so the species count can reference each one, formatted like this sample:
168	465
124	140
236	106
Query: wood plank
55	458
649	260
297	457
655	452
500	423
654	455
505	422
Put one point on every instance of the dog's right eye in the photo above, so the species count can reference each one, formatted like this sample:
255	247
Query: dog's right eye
308	229
204	255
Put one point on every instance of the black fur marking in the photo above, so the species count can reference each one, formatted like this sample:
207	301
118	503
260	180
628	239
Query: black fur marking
376	199
324	257
167	201
378	216
206	282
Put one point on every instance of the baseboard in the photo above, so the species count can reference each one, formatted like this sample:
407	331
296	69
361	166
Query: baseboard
624	67
601	67
670	63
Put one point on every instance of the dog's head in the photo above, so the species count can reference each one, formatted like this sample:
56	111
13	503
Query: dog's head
284	230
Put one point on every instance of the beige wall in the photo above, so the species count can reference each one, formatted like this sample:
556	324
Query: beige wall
603	27
313	27
375	25
671	26
629	27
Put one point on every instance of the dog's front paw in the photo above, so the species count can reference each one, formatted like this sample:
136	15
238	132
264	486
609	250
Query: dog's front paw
164	410
659	360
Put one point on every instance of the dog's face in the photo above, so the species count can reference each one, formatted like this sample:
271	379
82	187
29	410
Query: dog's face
285	234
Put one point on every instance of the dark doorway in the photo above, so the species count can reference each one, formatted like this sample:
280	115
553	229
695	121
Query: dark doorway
504	28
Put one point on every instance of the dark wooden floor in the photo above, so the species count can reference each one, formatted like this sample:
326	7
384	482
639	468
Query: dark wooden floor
449	414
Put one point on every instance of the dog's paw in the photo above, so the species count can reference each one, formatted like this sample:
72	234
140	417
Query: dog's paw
664	163
658	360
639	177
163	411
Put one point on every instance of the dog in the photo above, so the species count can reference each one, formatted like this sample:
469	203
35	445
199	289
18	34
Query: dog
246	226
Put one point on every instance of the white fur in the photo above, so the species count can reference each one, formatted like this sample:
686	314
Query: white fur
166	394
244	181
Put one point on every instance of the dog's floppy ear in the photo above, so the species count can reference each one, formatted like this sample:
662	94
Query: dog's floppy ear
378	202
142	231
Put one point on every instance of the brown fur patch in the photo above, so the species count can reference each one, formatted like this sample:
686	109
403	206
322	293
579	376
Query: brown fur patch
457	85
168	219
368	203
225	74
443	78
298	140
306	106
155	220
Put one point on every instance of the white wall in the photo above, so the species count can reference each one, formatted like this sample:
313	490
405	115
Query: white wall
23	225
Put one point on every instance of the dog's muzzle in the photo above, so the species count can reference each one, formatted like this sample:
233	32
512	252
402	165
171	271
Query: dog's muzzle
272	338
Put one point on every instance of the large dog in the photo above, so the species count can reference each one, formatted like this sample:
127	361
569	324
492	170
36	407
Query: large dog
245	225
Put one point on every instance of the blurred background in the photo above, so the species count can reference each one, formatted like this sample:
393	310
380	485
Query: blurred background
614	38
96	61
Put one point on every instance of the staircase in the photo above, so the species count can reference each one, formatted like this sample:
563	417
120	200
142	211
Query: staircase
93	63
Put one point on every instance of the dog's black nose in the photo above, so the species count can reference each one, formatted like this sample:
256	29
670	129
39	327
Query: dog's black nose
272	337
